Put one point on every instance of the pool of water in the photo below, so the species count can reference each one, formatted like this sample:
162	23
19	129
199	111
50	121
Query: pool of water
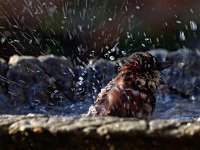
168	106
173	106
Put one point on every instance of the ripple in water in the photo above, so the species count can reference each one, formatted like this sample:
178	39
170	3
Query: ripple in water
173	106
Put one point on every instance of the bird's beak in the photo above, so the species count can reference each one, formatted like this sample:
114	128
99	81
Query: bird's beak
163	65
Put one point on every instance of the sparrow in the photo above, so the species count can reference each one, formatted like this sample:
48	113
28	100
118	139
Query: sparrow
133	92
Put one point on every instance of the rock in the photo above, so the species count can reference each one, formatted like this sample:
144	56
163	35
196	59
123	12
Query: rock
184	74
4	100
46	80
100	72
161	54
95	76
3	80
5	107
24	72
45	132
3	67
61	71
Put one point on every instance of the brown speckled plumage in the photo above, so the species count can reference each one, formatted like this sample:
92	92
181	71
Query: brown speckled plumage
132	92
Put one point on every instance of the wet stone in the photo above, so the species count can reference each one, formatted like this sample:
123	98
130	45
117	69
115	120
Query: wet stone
3	86
24	72
61	71
3	80
161	54
5	106
3	67
184	74
39	81
97	74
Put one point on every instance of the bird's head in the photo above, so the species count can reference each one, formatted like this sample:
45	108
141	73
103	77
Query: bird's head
142	62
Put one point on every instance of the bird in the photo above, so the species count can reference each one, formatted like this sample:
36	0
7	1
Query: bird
132	93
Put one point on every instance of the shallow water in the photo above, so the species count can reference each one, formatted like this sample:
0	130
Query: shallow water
168	106
173	106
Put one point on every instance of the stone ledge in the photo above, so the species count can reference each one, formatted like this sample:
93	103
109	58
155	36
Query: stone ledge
57	133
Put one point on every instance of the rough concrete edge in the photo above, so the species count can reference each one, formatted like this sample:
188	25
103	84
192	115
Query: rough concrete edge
89	133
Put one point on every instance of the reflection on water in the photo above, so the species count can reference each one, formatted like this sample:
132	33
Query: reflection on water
171	106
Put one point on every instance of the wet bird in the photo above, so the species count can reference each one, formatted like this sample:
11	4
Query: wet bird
132	92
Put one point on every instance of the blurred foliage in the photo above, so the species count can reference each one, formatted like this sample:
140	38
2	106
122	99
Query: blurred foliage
84	29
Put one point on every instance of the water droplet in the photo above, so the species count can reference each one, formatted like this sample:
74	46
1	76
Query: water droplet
123	53
137	7
36	102
193	26
182	36
110	19
178	21
193	98
81	78
143	45
30	41
7	34
72	106
113	49
191	10
80	28
181	64
3	39
80	83
112	58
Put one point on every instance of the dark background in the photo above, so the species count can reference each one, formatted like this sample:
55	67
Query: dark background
85	29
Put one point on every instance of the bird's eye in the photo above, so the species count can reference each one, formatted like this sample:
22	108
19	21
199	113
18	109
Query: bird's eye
128	79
